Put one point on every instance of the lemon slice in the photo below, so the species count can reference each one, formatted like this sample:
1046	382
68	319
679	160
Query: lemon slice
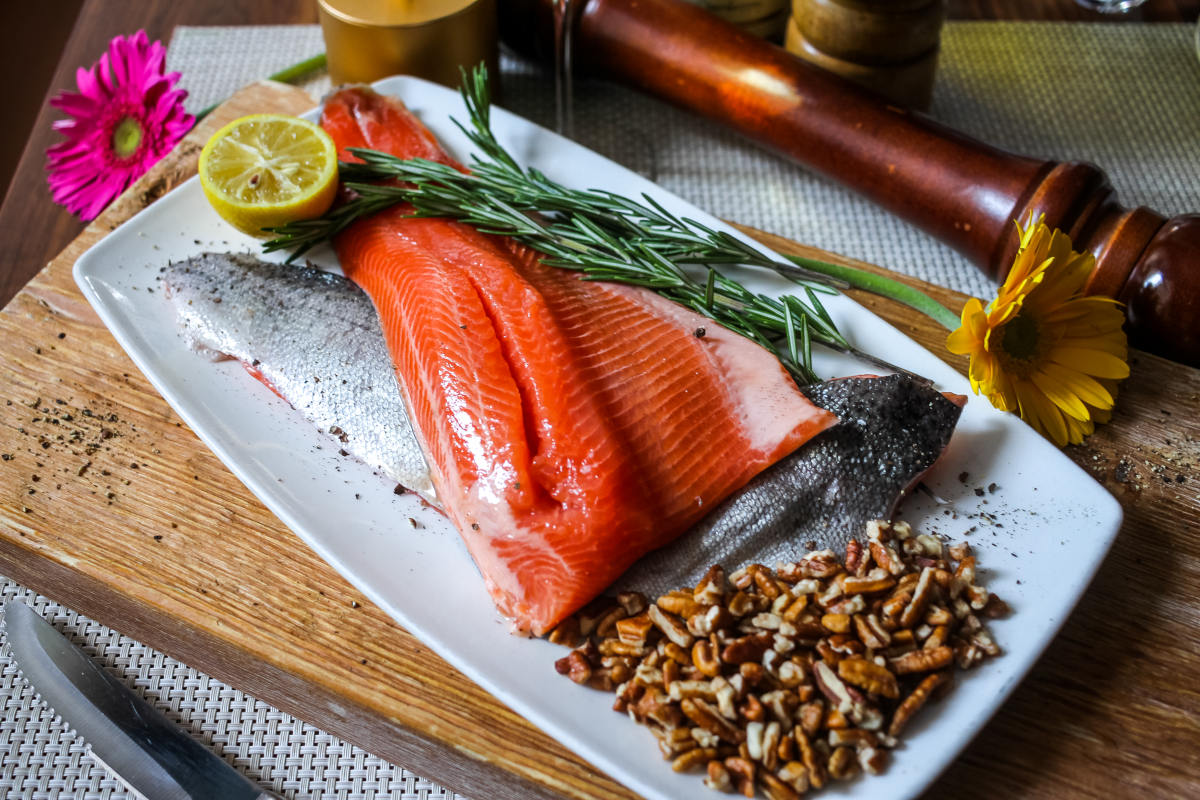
267	170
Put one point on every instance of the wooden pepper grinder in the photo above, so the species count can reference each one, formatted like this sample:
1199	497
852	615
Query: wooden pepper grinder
958	189
889	46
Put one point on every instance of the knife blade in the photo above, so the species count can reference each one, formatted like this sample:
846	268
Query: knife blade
147	752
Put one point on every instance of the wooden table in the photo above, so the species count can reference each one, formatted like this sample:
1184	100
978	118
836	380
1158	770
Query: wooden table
1110	710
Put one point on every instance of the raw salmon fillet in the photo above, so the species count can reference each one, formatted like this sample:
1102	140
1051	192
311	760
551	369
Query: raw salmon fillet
570	426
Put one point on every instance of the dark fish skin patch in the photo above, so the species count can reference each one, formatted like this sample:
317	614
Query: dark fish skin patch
891	431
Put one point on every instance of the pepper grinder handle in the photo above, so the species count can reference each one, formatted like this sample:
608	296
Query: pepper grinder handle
956	188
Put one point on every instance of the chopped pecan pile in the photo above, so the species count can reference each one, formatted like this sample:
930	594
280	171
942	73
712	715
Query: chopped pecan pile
782	680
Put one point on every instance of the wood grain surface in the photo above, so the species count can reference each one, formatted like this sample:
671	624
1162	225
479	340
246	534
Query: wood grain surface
109	504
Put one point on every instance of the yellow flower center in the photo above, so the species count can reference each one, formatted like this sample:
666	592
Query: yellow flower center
1023	345
1021	337
126	138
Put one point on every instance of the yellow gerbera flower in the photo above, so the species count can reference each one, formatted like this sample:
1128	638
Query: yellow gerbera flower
1041	348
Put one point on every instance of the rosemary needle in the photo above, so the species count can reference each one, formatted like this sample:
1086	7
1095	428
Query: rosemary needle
603	235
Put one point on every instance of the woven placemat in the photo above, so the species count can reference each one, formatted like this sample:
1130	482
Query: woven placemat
1126	97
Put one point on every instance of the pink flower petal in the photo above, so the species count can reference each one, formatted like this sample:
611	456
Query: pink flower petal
83	172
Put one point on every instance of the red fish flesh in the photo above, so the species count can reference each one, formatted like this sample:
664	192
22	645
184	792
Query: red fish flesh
570	426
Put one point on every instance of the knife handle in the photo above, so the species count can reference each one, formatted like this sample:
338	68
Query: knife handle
956	188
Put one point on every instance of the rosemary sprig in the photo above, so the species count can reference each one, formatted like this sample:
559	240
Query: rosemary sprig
603	235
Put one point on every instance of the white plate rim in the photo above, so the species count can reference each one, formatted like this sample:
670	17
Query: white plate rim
90	274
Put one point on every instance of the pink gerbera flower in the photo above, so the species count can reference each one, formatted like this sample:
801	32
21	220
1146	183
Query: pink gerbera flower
125	117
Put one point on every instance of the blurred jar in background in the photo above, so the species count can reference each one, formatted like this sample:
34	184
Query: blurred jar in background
1110	6
890	46
366	40
764	18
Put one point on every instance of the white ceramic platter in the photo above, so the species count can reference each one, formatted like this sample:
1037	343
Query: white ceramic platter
1040	534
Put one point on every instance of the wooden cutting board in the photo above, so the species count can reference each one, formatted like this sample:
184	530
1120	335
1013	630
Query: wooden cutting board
110	505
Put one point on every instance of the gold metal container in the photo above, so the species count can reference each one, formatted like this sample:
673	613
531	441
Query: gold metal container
366	40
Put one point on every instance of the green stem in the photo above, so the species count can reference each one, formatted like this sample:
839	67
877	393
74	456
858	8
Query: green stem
884	287
297	70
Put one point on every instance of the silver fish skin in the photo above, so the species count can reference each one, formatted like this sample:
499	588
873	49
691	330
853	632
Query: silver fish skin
891	431
315	338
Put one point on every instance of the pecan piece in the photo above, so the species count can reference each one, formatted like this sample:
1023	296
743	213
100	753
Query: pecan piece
628	692
606	624
618	647
811	717
634	603
967	655
922	593
877	580
845	699
937	637
937	615
923	660
718	778
710	591
743	603
743	773
782	705
672	743
835	720
790	674
964	576
575	666
681	689
693	759
852	737
854	556
842	763
772	736
871	631
567	632
705	658
710	620
870	676
675	653
768	585
995	608
752	711
705	716
671	626
747	648
794	608
959	551
653	705
849	604
809	627
808	754
873	759
831	686
846	645
776	789
795	775
821	564
635	629
915	700
977	596
886	557
681	604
